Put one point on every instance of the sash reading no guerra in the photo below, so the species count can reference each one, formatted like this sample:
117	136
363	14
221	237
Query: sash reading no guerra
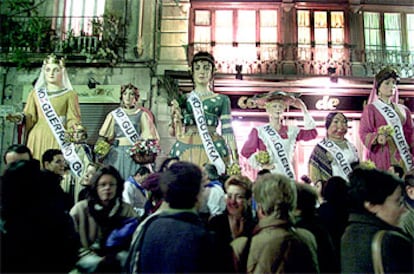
58	130
399	139
208	144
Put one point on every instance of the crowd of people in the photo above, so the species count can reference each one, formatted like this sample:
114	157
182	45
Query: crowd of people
66	207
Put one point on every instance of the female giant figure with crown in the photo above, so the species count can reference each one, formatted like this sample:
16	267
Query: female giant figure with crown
51	108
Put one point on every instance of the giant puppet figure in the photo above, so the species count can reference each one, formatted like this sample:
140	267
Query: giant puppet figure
334	155
194	122
275	138
122	128
51	108
386	127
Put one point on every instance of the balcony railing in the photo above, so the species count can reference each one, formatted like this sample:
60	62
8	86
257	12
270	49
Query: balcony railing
101	38
306	60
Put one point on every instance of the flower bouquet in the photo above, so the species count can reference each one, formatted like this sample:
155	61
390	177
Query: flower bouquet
144	151
368	164
262	157
233	169
101	148
386	130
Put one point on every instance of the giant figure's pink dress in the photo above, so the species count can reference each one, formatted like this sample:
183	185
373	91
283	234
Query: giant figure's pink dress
384	155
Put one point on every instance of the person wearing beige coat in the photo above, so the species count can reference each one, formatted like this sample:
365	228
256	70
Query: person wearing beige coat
276	246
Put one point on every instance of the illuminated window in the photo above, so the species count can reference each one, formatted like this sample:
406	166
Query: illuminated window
384	36
268	34
236	35
410	31
78	14
322	31
392	27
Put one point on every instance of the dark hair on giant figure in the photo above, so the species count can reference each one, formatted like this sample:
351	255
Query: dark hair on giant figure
203	56
181	185
330	116
385	74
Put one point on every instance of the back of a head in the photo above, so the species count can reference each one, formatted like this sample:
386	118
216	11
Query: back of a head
398	170
19	187
307	199
263	172
19	149
152	183
335	190
211	172
143	170
49	154
181	185
370	185
167	162
276	194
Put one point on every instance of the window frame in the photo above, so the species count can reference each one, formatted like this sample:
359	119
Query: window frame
312	46
235	7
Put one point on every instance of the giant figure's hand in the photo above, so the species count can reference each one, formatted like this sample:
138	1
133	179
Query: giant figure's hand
15	117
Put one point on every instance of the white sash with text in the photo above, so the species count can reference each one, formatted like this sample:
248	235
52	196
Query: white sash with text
58	130
208	144
393	120
273	142
338	155
122	119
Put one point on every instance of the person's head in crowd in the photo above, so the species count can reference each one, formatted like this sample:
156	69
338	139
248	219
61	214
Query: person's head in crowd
263	172
167	163
181	185
238	195
90	170
397	170
335	190
53	160
17	152
275	195
141	173
378	193
409	185
336	125
307	200
18	188
107	187
152	184
210	171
